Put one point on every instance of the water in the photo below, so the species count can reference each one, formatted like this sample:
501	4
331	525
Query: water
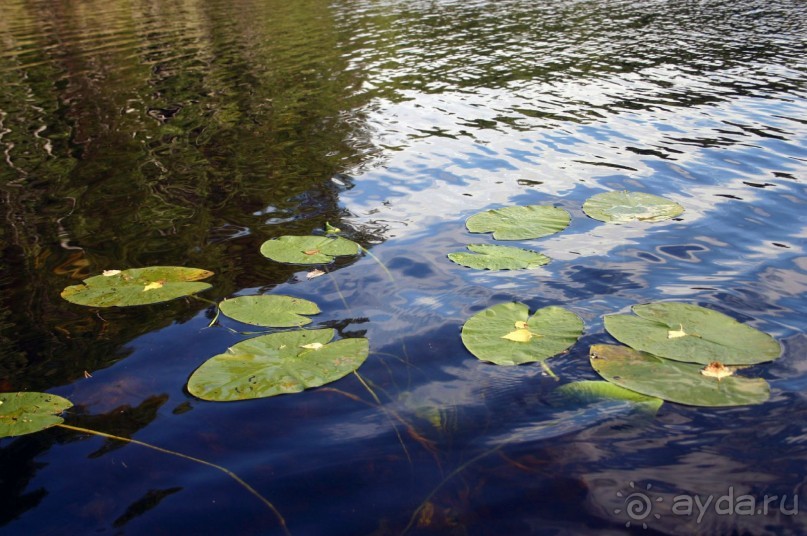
146	133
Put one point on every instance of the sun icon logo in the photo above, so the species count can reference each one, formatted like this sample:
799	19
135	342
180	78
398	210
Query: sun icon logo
638	505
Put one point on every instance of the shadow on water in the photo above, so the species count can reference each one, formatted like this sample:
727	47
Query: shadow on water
187	133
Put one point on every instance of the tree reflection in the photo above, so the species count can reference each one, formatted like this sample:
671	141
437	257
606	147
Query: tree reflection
168	133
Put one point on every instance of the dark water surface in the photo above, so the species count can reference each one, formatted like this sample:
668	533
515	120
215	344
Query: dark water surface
185	132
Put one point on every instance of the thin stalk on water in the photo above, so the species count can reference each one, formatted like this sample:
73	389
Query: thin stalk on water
224	470
549	371
386	413
338	290
445	480
376	259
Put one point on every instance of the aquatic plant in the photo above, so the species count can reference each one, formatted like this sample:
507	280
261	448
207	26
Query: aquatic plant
137	286
688	332
277	363
624	206
494	257
270	310
308	249
685	383
506	334
519	222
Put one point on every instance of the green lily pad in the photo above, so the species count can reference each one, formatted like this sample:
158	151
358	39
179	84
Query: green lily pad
624	206
519	222
592	392
26	413
271	311
505	334
278	363
137	286
674	381
686	332
493	257
308	249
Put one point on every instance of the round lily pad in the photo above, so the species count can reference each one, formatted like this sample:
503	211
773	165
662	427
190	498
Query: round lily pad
271	311
519	222
493	257
278	363
624	206
686	332
308	249
674	381
137	286
26	413
506	334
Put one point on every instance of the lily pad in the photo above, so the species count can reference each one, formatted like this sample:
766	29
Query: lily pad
519	222
493	257
308	249
26	413
278	363
506	334
674	381
137	286
686	332
624	206
271	311
588	391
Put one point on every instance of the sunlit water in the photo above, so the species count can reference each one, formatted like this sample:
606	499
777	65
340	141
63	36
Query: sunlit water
187	133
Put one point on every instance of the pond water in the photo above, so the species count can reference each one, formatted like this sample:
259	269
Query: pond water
187	132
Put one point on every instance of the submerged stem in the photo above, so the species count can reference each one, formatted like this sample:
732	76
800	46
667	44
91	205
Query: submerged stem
338	290
549	371
224	470
386	412
376	259
445	480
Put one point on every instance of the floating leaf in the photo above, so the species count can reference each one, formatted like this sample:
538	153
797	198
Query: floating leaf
137	286
272	311
673	380
624	206
489	334
494	257
519	222
308	249
276	364
26	413
686	332
314	273
588	391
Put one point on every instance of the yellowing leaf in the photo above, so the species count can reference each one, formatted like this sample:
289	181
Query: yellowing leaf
519	335
108	273
674	334
521	325
153	285
314	273
312	346
718	370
